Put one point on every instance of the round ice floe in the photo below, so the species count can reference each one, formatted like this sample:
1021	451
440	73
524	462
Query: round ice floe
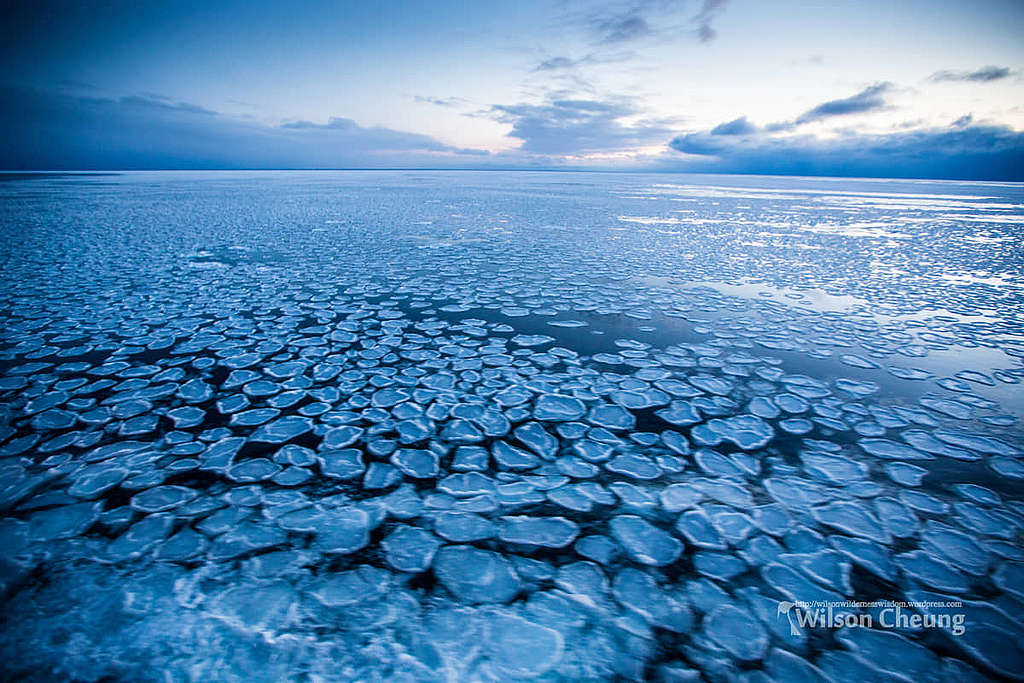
531	339
351	587
737	631
410	549
537	439
634	465
340	437
283	429
461	431
186	416
905	474
550	532
476	575
253	470
419	464
245	538
65	521
644	542
342	530
571	498
95	480
611	416
510	457
518	648
182	546
746	431
557	408
637	591
463	527
696	527
885	448
162	498
344	463
851	518
140	538
253	418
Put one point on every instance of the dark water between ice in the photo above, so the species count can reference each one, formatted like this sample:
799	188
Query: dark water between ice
494	426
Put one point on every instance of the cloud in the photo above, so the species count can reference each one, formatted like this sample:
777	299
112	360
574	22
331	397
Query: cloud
985	74
869	99
708	12
965	151
811	60
635	20
622	28
442	101
578	126
334	123
555	64
50	131
740	126
560	64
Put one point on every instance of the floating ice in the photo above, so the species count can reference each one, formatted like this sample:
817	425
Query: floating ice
510	457
556	408
885	448
409	549
476	575
638	592
342	531
464	527
230	450
419	464
162	498
345	463
522	649
737	632
645	543
931	571
283	429
746	431
550	532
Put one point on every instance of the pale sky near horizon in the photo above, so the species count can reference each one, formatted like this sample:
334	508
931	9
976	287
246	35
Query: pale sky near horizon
642	84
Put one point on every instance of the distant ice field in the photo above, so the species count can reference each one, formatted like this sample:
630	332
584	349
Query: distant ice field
437	426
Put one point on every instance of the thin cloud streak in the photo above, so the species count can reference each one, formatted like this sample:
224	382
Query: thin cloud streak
869	99
985	74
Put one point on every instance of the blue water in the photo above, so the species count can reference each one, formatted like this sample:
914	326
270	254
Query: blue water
492	426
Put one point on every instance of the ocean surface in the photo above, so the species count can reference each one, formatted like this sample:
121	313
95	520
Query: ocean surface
448	426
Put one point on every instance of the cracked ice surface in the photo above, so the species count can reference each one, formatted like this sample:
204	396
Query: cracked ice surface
488	426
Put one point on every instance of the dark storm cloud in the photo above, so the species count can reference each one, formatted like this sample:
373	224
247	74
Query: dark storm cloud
575	126
983	75
962	151
50	131
871	98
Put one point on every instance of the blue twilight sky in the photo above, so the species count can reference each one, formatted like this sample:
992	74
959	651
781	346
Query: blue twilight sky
917	88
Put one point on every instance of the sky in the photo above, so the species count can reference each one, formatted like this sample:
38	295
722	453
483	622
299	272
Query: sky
917	88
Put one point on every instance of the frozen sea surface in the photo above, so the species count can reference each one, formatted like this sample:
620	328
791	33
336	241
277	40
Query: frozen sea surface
422	426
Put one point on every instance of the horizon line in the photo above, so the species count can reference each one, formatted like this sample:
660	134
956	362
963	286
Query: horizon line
518	169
